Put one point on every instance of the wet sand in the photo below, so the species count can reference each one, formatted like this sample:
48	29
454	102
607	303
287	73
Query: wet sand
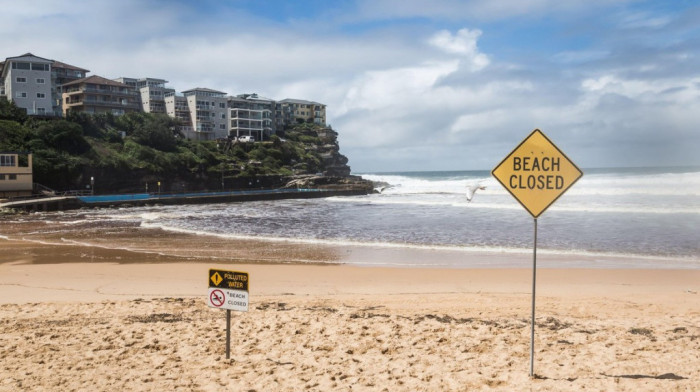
129	312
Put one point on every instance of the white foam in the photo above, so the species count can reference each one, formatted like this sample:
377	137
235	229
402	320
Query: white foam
686	262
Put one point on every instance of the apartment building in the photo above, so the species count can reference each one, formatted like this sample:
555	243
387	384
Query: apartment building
62	73
208	113
292	111
250	115
95	95
151	92
34	83
26	80
16	178
176	107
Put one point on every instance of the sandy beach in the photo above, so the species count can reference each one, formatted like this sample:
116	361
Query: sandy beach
77	318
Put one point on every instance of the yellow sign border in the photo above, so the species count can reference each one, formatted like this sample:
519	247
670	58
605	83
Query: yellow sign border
536	131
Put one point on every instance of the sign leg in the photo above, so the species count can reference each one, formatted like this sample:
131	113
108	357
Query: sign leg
228	334
532	329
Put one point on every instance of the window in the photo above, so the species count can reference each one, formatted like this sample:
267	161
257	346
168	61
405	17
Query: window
20	65
40	80
21	80
40	67
7	160
21	95
222	105
2	177
40	95
13	176
40	111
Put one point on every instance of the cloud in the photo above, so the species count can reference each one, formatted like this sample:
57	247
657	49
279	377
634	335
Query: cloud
463	43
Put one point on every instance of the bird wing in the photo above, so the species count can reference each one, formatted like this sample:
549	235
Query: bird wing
471	189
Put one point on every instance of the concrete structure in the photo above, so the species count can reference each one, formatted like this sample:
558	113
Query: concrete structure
96	94
16	178
208	113
250	115
26	81
291	111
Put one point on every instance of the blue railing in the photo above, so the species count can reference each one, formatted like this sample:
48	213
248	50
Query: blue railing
156	196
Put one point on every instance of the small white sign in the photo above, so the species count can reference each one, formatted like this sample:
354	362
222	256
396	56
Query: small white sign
221	298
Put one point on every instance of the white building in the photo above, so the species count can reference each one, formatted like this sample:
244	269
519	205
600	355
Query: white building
151	92
208	113
250	115
26	81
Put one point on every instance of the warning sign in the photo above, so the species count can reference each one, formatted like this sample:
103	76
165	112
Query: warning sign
228	299
536	173
228	290
228	279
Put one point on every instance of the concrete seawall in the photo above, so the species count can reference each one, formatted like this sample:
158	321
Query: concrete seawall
76	202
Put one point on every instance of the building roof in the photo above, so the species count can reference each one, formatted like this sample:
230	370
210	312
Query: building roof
251	97
24	56
204	89
58	64
300	101
29	55
54	63
94	79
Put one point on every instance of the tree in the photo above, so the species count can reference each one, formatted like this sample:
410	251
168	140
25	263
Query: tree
13	136
10	111
63	135
156	131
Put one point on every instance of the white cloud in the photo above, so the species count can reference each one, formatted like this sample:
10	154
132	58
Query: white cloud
464	44
378	90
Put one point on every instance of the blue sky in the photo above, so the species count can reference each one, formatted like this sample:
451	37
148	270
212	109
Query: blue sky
413	85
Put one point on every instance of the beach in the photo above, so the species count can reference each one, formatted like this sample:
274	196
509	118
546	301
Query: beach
101	317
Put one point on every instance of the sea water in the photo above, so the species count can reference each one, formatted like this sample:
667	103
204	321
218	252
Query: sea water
649	215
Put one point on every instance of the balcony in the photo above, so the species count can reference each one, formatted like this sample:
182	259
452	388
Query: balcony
107	91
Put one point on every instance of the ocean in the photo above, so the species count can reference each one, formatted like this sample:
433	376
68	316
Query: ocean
643	217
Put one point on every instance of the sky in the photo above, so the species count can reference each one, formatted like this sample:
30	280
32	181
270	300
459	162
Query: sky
412	85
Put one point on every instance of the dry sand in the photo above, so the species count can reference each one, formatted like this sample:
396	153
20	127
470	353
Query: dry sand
128	321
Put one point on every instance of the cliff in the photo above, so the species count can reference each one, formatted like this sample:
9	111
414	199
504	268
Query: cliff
141	152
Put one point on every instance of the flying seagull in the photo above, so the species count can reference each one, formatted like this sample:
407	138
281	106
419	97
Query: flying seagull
471	190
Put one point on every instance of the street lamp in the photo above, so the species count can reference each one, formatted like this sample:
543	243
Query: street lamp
92	185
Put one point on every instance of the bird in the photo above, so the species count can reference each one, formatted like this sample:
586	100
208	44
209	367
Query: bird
471	190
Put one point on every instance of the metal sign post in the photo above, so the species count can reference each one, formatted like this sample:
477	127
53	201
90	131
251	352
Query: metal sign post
536	173
532	328
228	334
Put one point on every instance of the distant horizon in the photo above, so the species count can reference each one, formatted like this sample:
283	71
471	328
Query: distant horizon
678	169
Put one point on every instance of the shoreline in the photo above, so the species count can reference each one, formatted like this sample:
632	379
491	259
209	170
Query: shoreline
35	272
32	243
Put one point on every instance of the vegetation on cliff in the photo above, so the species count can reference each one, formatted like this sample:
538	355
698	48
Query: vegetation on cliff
130	152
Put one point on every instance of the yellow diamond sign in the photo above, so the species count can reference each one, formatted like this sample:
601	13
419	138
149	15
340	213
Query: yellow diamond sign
536	173
216	278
